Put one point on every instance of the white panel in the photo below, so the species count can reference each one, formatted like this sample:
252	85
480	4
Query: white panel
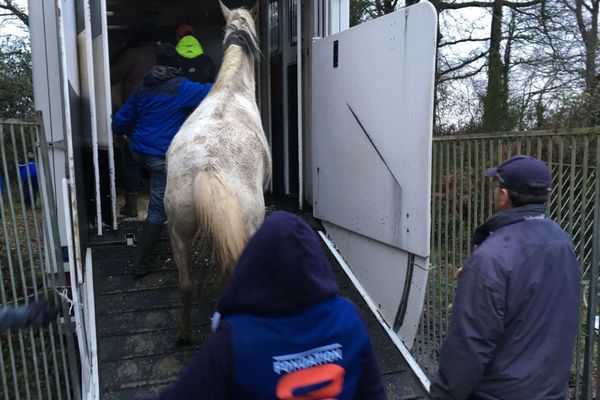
67	47
372	138
69	27
377	183
48	94
88	94
382	272
344	14
102	103
101	60
379	267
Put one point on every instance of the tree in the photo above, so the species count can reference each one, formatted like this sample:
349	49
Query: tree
11	10
16	88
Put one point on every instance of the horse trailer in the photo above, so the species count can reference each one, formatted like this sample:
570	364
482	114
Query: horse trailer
348	114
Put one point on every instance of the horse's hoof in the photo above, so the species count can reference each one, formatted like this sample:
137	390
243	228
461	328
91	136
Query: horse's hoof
183	338
140	273
183	341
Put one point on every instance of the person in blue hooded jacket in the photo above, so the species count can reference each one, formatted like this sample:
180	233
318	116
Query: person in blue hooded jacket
28	175
282	331
516	310
154	112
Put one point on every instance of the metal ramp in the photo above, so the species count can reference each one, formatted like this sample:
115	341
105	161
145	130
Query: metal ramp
137	321
136	324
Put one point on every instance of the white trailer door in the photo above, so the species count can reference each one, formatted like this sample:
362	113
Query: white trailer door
372	104
99	31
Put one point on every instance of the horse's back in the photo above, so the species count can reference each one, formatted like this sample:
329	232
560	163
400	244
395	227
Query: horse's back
228	139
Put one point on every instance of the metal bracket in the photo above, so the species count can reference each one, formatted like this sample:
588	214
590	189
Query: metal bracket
59	144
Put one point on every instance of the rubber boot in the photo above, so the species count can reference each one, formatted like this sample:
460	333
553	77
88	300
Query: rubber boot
130	207
147	242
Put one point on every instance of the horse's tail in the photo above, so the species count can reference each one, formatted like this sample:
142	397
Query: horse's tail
220	220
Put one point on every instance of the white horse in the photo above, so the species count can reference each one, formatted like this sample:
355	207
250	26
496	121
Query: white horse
219	164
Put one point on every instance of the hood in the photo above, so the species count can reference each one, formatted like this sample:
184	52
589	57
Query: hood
159	74
283	269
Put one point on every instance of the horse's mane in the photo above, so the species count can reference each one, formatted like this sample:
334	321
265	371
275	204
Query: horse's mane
246	40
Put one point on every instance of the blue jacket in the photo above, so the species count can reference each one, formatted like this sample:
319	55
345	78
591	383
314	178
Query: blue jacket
23	170
156	110
283	330
515	314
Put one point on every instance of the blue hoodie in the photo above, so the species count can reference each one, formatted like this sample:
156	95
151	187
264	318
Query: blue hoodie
283	331
156	110
515	313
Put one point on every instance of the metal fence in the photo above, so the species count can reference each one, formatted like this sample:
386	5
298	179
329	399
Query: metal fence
35	363
462	199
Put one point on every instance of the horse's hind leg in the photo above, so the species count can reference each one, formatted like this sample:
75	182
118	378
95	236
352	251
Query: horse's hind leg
181	243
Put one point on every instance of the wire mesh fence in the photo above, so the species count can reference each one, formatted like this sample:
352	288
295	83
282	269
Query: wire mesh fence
35	363
462	200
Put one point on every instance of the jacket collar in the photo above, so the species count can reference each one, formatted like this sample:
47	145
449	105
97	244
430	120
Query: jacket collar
504	218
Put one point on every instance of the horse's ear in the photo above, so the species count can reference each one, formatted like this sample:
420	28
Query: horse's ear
226	11
254	10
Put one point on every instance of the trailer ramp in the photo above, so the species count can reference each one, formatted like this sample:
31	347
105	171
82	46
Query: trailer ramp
137	323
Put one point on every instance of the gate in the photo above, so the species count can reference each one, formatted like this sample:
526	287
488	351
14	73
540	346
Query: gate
35	363
462	199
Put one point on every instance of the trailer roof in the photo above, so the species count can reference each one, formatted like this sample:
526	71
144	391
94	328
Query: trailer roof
124	14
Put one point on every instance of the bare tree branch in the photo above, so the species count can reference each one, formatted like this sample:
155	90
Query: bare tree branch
469	39
464	63
463	76
15	10
441	5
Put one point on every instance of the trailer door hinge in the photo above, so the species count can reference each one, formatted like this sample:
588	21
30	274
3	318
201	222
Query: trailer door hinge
59	144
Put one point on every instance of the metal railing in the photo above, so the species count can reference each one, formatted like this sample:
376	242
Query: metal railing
462	200
35	363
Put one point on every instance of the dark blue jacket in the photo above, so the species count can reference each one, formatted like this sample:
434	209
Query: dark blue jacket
156	110
515	314
283	329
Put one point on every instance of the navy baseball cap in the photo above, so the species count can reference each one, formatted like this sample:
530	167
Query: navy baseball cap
524	175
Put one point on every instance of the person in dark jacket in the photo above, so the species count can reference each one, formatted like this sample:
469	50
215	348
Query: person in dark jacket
281	330
37	313
516	310
196	65
154	113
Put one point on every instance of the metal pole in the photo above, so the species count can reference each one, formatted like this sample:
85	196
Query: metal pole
93	117
592	293
108	105
300	97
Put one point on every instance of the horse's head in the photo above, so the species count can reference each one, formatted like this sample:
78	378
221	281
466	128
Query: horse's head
240	29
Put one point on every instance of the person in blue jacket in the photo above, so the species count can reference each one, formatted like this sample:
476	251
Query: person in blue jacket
282	331
154	112
516	310
30	196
